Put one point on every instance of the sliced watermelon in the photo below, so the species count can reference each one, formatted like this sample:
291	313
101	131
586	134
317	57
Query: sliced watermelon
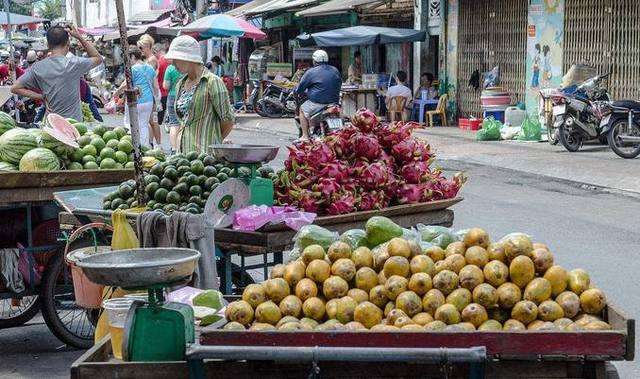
60	124
61	137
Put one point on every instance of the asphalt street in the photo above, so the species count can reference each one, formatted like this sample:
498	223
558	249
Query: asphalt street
585	227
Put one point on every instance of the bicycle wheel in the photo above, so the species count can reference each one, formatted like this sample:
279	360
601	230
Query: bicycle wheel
12	314
70	323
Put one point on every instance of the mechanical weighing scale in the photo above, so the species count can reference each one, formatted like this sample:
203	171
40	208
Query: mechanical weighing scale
155	330
251	157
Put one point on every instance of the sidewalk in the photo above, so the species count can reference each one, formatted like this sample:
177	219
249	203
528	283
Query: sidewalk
595	165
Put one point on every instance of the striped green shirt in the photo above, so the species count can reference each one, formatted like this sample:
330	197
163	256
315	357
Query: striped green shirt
210	106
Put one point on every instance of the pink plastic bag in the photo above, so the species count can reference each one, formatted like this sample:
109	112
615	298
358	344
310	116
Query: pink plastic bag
254	217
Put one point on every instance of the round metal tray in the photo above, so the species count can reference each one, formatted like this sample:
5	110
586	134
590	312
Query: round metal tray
244	153
139	268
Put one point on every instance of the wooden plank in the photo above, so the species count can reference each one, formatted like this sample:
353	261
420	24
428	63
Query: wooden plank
77	179
619	321
597	344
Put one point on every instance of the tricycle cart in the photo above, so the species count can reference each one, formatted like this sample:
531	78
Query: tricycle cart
581	354
49	287
84	206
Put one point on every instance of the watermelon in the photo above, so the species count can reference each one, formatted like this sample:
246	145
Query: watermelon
6	122
39	159
4	166
15	143
60	124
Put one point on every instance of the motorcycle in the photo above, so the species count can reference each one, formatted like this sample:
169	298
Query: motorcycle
324	121
575	116
276	102
621	124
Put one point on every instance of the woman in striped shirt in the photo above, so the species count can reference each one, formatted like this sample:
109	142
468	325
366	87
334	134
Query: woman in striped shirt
202	101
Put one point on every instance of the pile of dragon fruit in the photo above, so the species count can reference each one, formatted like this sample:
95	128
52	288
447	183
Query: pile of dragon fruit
365	166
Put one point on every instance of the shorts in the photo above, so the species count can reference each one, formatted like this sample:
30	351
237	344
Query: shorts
162	113
309	107
171	119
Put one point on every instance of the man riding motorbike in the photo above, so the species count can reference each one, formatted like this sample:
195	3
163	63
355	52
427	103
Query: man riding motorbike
322	84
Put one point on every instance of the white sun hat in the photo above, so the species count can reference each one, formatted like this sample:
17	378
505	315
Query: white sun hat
184	48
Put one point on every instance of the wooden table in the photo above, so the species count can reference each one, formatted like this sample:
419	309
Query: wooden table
528	355
276	239
355	99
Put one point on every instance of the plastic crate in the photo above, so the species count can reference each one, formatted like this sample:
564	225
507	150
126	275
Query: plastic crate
498	115
469	124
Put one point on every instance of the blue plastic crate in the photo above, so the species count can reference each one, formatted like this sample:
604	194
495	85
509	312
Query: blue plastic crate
498	115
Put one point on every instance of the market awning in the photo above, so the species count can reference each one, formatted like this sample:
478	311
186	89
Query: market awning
361	35
242	10
19	19
160	28
281	6
338	7
148	16
100	31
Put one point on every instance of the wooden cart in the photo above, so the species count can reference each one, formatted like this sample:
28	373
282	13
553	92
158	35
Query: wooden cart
269	242
378	354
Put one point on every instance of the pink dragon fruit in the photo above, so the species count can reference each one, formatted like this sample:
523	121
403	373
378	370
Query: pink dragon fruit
365	120
410	150
410	193
449	188
327	187
306	199
365	146
373	175
338	143
373	200
342	203
415	172
320	153
387	160
337	170
392	134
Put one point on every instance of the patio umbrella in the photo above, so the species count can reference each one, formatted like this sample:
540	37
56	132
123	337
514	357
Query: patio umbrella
221	26
361	35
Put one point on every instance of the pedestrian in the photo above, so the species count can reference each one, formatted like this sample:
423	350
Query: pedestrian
32	58
354	75
159	51
57	77
202	101
145	44
216	66
171	77
143	78
87	98
399	90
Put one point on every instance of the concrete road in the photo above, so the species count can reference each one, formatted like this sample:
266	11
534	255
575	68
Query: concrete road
584	227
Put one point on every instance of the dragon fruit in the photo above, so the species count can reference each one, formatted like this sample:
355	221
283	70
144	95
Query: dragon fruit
410	150
392	134
320	153
336	170
338	143
342	203
327	187
373	175
373	200
365	120
415	172
410	193
365	146
306	199
449	188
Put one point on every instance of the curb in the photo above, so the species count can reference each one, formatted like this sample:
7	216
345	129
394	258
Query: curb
459	165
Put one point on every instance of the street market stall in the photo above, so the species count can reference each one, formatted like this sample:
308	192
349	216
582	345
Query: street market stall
373	84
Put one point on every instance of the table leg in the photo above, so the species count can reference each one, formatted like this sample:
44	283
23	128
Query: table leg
421	116
265	262
277	257
228	284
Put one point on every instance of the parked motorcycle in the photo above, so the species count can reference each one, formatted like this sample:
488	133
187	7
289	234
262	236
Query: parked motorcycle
621	124
574	114
325	120
276	102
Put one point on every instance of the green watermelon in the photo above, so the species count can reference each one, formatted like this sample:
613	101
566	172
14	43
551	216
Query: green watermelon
6	122
39	159
15	143
45	140
4	166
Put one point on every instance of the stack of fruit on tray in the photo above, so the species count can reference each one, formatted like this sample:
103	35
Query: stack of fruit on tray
456	282
183	182
364	166
49	148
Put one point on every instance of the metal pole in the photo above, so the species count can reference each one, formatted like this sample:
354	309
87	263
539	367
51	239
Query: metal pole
12	63
132	98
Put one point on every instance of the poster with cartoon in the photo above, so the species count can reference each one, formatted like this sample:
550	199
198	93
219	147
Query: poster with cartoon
545	32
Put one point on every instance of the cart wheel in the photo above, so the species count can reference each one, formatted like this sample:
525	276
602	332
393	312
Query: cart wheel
12	314
70	323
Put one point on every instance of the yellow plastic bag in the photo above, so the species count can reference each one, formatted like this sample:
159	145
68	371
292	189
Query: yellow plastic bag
124	237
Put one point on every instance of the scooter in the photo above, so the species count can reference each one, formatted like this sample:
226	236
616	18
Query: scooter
621	123
575	116
276	102
324	121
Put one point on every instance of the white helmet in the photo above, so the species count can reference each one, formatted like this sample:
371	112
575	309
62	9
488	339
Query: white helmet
31	56
320	56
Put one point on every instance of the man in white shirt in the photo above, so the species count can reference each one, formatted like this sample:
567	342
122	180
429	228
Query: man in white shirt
399	90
